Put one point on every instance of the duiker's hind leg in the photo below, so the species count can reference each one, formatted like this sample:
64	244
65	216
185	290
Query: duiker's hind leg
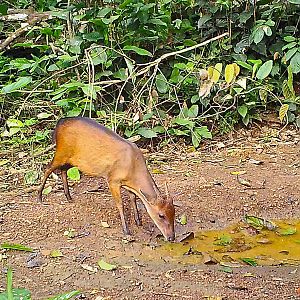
115	189
65	184
137	218
47	173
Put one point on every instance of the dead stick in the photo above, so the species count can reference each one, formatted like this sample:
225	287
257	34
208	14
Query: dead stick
34	18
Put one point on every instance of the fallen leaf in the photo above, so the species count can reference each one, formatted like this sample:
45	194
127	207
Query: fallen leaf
248	274
3	162
157	171
255	162
223	240
208	259
185	237
226	269
183	219
89	268
105	224
47	190
287	231
238	172
264	241
250	261
19	247
56	253
70	233
243	181
106	266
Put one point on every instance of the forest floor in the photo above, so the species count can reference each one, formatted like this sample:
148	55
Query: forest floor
217	254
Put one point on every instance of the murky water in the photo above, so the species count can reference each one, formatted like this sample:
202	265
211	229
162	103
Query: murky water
237	244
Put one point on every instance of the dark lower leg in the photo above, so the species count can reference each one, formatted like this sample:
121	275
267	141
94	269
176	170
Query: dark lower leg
116	193
135	209
65	184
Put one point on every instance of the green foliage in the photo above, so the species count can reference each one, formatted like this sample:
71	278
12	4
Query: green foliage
117	64
23	294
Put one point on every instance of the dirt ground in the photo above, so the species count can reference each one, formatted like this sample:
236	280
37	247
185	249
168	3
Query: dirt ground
204	189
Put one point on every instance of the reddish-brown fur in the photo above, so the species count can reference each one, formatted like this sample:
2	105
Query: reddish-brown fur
98	151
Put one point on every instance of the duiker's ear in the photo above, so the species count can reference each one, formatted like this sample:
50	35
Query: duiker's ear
145	196
168	197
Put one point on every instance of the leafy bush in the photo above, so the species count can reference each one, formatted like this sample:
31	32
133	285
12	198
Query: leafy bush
138	66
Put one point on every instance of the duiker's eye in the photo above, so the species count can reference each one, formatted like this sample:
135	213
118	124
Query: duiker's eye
161	216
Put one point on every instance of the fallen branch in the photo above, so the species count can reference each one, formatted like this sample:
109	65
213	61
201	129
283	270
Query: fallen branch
32	20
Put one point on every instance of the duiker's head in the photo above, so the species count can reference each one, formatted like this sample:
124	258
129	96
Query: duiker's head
162	212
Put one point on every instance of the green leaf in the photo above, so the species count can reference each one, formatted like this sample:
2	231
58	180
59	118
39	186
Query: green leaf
146	132
246	120
18	294
158	22
226	269
162	83
121	74
183	219
249	261
294	1
56	253
106	266
267	30
17	85
18	247
255	222
289	38
10	295
243	110
195	98
204	132
73	174
287	231
295	63
290	53
184	122
92	36
289	45
193	111
258	35
31	177
245	65
3	9
223	240
65	296
47	190
264	70
138	50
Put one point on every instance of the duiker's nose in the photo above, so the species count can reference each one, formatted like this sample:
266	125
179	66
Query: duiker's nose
171	238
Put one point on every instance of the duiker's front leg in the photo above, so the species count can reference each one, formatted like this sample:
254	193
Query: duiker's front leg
137	218
115	189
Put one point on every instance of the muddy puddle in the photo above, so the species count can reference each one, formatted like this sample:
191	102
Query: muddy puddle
264	243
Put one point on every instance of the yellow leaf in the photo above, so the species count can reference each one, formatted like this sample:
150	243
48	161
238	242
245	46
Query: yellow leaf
229	73
236	69
216	72
283	111
238	172
210	71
